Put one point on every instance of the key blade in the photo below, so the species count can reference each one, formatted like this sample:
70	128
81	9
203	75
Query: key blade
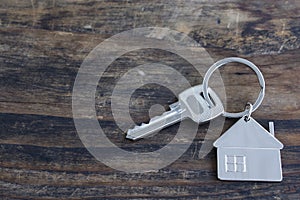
156	124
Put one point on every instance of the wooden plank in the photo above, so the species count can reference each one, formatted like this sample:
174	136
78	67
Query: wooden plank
42	45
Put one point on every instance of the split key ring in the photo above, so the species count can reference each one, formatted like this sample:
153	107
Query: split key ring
222	62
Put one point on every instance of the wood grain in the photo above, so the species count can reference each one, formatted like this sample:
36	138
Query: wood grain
42	45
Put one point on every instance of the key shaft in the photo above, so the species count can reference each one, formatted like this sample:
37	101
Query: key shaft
157	123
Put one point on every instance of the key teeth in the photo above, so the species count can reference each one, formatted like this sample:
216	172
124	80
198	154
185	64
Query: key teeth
151	120
157	117
154	118
136	127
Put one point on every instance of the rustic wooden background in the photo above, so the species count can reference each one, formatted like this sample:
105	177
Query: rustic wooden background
42	45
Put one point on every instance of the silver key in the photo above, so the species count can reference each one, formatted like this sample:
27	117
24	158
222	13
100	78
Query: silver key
191	105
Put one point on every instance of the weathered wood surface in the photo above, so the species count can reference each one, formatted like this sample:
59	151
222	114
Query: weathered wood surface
43	44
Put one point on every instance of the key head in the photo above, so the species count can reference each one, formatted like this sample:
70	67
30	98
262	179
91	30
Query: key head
197	108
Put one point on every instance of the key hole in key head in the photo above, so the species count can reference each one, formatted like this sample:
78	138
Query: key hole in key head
202	95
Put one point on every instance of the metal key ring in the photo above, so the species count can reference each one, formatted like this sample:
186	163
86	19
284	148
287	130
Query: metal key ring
239	60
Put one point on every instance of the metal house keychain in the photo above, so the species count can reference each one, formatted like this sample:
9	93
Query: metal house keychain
247	151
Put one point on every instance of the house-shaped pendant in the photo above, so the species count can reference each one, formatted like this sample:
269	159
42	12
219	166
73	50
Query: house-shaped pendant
248	152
